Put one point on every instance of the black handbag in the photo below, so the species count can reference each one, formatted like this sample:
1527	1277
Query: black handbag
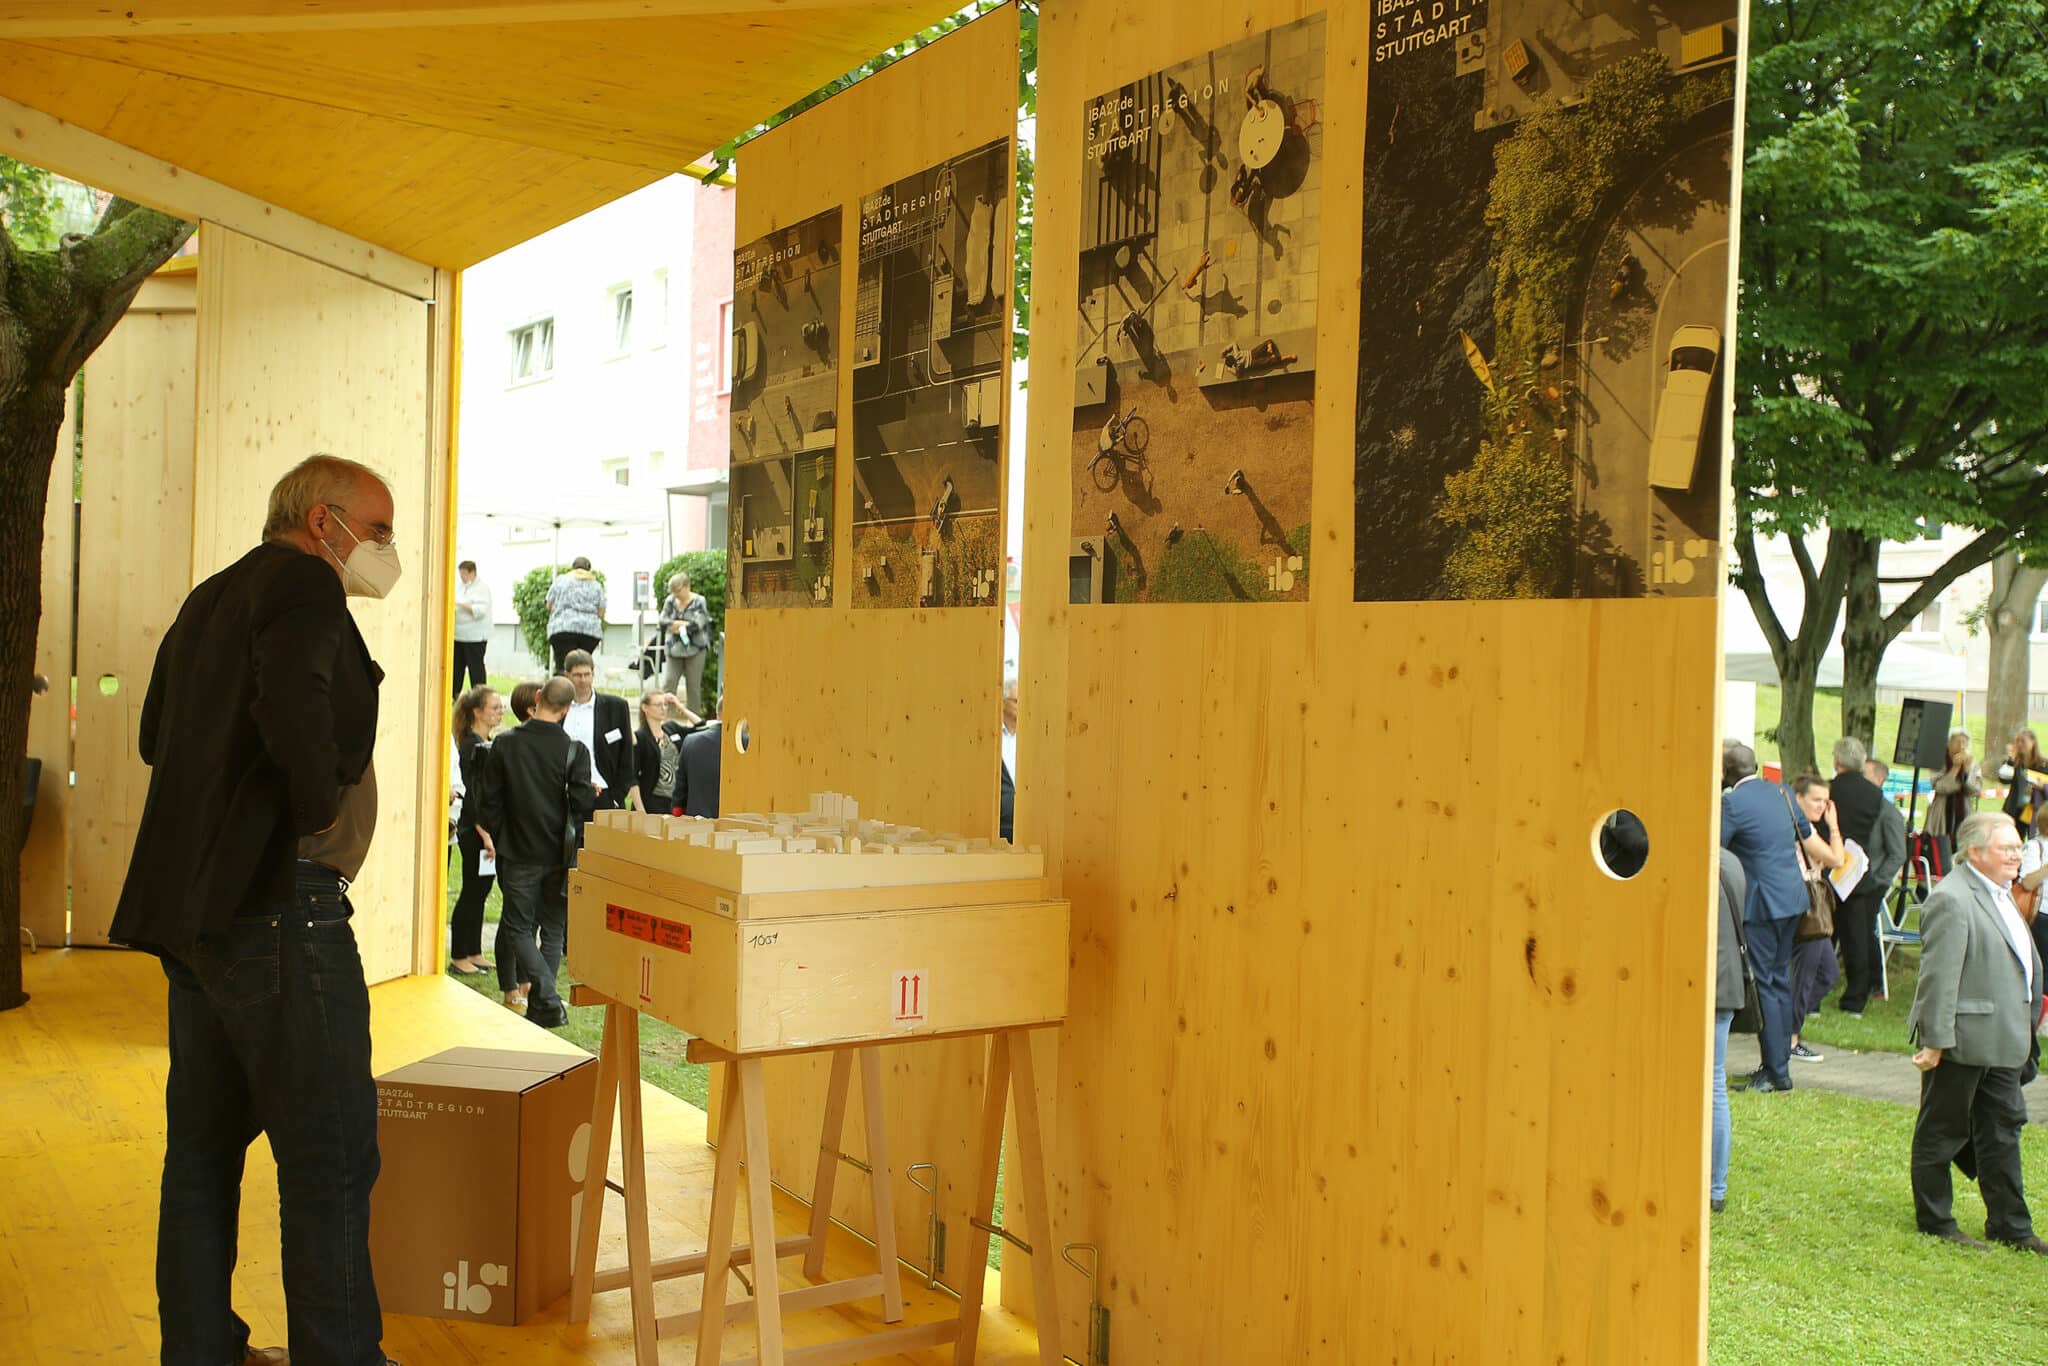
1750	1018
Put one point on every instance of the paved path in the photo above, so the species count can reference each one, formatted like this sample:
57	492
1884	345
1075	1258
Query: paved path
1874	1076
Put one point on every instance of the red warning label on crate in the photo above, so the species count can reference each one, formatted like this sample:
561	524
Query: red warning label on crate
648	929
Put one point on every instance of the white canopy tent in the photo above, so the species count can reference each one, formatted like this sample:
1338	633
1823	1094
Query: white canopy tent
1746	657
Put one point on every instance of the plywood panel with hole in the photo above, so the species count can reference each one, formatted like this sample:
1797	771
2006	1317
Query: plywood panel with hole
46	851
295	357
135	531
899	708
1366	1057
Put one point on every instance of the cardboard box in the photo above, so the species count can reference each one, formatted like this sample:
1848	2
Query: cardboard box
474	1210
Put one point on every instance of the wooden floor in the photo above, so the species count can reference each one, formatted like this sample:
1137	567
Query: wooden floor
81	1147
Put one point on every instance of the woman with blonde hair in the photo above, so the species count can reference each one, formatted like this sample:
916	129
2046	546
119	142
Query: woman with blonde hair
2019	772
1956	788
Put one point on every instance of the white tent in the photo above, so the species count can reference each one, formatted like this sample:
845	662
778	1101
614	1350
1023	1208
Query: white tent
577	509
1746	657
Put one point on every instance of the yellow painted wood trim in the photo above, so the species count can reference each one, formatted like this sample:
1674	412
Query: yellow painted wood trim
430	922
188	18
42	139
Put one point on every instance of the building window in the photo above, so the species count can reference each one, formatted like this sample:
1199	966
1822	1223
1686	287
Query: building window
725	351
619	471
1928	623
660	307
716	527
2041	617
622	319
533	351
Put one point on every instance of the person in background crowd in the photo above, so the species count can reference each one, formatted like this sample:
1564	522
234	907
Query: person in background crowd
2022	762
1956	788
686	640
658	748
259	728
535	785
1760	829
1887	850
701	752
1006	813
2027	888
1814	969
604	725
1974	1007
1728	997
521	702
575	612
472	626
1859	804
476	720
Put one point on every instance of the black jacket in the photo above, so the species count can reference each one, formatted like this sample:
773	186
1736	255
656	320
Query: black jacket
262	707
1859	803
471	755
613	758
535	782
697	784
647	760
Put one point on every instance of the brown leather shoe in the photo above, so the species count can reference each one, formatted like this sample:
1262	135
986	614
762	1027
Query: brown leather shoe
1961	1239
2030	1243
267	1356
515	1001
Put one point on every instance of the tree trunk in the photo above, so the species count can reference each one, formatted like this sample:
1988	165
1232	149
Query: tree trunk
1795	712
29	422
1863	642
2014	589
1796	654
55	309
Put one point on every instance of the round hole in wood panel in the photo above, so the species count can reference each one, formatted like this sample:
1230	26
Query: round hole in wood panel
109	685
1621	844
742	736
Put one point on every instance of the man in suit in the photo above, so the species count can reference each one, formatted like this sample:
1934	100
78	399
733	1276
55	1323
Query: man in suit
1973	1016
1761	826
702	750
1856	922
1858	808
534	788
604	723
258	729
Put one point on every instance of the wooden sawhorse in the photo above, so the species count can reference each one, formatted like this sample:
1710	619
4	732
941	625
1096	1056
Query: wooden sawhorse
743	1137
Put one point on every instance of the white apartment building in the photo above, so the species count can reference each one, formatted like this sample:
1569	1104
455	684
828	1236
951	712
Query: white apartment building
593	412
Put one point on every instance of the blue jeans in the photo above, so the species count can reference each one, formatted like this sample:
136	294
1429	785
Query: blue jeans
270	1033
1770	958
1724	1130
536	907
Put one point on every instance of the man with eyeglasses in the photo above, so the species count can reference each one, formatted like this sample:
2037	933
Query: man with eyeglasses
258	729
1973	1017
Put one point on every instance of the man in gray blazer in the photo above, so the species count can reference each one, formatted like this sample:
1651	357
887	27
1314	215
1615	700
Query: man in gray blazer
1973	1016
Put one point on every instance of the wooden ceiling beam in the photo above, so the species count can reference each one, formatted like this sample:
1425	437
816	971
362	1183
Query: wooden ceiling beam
31	135
188	18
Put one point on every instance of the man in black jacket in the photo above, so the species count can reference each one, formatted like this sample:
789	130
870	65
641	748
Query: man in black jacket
604	723
535	795
258	729
1859	805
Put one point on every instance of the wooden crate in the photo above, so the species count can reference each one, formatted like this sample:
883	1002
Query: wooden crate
765	984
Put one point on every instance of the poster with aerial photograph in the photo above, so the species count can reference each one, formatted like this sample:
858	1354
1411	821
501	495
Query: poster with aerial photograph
785	395
1542	364
929	357
1194	391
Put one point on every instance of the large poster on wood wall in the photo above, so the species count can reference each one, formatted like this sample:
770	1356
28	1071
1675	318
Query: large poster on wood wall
1194	395
930	358
1542	360
785	426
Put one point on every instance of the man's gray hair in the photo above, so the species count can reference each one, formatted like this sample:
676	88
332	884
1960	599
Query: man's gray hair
1850	754
1979	826
319	478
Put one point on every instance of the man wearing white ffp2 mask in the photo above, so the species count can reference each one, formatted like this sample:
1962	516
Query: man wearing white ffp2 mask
260	727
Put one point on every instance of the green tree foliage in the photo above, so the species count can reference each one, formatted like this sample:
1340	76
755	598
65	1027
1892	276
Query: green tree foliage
1027	108
28	205
530	600
706	569
1894	310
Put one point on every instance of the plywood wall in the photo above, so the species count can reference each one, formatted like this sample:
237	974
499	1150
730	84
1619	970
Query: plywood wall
295	357
1367	1059
135	535
899	708
46	857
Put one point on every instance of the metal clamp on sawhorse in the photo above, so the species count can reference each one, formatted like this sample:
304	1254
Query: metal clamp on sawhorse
743	1137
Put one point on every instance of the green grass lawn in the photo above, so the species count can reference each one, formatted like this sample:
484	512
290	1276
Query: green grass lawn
1816	1258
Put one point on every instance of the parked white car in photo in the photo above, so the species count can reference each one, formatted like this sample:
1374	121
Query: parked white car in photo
1682	409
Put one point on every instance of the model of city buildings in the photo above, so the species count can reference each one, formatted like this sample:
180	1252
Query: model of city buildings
832	825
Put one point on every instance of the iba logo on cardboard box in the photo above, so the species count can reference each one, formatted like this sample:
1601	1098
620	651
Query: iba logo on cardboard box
469	1297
